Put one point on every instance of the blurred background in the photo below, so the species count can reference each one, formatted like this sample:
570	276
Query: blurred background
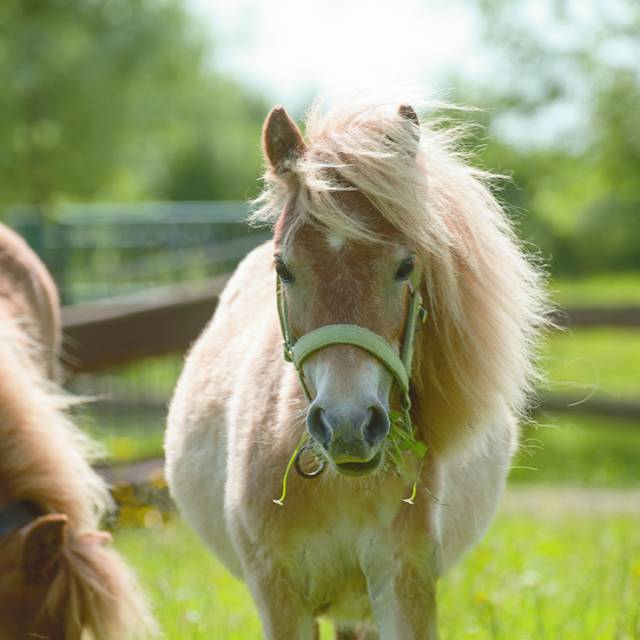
130	147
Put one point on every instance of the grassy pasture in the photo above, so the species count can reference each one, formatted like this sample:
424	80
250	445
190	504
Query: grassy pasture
566	576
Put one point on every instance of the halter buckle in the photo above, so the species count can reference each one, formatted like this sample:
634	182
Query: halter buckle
286	351
308	475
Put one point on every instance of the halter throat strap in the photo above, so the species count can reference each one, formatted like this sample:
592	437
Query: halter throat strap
18	514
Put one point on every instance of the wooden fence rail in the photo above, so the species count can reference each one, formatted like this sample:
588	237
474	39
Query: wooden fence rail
127	328
167	320
599	316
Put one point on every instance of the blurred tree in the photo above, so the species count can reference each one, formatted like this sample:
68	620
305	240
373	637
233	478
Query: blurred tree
108	99
569	71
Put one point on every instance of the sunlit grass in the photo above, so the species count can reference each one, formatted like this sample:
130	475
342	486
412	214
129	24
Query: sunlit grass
564	577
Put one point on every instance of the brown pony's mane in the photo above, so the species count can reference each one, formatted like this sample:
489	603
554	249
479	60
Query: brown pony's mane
486	300
45	458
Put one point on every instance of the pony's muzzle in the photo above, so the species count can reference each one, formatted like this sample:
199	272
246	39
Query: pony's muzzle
351	438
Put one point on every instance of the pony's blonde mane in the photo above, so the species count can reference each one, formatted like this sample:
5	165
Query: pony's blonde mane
45	458
486	298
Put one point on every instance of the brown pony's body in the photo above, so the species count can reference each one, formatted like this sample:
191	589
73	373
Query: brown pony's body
57	577
364	201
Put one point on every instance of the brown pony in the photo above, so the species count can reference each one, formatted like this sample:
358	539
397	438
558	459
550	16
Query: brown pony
58	579
371	209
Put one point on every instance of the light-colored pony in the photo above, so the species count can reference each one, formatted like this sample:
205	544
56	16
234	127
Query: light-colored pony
369	197
58	579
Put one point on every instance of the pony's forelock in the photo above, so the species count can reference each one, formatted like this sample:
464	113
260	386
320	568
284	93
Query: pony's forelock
486	298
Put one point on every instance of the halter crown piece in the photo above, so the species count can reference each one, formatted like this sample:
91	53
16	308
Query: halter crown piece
297	350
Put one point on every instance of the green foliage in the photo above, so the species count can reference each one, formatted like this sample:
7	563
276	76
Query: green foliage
564	576
112	100
601	289
575	193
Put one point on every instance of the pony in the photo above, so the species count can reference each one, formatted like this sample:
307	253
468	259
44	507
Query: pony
374	214
58	578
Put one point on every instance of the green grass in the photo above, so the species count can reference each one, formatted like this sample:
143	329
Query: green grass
565	577
602	289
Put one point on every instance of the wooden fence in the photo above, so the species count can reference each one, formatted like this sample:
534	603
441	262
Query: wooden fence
167	320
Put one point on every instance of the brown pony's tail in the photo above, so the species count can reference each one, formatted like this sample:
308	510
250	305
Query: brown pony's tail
102	594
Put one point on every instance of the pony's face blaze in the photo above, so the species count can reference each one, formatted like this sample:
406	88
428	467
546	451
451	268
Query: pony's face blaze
330	279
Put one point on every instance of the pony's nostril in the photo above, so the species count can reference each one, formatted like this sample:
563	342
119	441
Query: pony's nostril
377	426
318	426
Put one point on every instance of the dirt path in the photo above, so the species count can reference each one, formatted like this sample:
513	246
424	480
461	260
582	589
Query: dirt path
541	500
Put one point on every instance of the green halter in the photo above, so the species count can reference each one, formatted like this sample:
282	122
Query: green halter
298	350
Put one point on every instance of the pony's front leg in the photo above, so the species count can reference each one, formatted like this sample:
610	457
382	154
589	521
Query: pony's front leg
283	613
402	591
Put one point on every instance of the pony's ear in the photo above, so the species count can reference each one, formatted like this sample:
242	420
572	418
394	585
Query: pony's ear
99	538
42	544
282	141
407	113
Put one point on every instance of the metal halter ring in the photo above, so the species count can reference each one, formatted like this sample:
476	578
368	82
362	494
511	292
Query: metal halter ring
301	471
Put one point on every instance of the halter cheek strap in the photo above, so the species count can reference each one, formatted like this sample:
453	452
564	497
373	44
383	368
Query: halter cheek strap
17	514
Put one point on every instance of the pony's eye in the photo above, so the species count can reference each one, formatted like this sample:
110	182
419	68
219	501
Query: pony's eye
405	269
283	271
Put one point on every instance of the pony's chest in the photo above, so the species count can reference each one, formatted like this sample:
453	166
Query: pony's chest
331	567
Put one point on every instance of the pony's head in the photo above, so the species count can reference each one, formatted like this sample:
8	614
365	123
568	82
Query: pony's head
29	562
333	276
57	584
371	201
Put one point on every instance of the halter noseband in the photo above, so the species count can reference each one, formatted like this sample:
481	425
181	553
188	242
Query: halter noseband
18	514
297	350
